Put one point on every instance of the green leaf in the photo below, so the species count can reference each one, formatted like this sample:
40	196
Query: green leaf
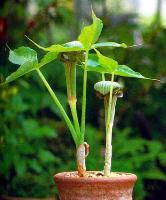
46	156
108	44
126	71
26	57
94	65
20	165
67	47
50	56
22	55
162	158
22	70
32	130
107	63
154	173
90	34
35	165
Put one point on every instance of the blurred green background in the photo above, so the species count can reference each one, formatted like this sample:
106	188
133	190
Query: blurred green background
34	141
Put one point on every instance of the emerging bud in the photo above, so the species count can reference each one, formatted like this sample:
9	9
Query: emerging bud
103	87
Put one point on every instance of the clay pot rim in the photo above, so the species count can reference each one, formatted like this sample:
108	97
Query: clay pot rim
62	176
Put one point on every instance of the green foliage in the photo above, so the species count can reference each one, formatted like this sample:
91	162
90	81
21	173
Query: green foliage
90	34
130	154
108	44
50	56
138	155
103	64
146	97
26	58
67	47
24	151
108	64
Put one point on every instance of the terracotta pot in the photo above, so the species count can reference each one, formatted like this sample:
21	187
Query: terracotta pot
23	198
72	187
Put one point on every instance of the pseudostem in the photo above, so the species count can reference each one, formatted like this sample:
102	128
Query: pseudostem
82	153
70	60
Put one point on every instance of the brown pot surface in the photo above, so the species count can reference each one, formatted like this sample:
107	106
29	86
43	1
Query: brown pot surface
118	186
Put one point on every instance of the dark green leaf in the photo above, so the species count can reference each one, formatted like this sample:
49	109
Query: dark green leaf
46	156
154	173
32	129
20	165
162	158
35	165
90	34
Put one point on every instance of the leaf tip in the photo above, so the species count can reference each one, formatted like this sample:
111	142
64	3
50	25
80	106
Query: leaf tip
29	39
124	45
8	47
135	45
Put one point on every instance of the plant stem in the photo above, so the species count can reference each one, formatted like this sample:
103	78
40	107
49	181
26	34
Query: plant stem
108	155
56	101
82	152
109	126
70	73
106	109
84	96
110	101
103	77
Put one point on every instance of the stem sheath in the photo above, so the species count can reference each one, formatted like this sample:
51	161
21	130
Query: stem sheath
70	73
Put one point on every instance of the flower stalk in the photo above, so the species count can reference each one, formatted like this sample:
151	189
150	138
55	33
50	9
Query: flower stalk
108	151
83	117
109	126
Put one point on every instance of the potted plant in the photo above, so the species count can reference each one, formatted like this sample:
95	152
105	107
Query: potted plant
83	53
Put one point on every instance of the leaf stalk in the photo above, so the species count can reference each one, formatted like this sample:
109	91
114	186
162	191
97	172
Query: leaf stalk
58	104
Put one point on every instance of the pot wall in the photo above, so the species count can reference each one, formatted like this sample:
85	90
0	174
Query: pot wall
114	188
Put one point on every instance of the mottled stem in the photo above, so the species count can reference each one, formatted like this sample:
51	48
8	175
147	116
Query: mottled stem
108	151
82	153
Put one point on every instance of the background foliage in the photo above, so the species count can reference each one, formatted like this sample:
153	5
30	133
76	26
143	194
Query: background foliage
34	142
